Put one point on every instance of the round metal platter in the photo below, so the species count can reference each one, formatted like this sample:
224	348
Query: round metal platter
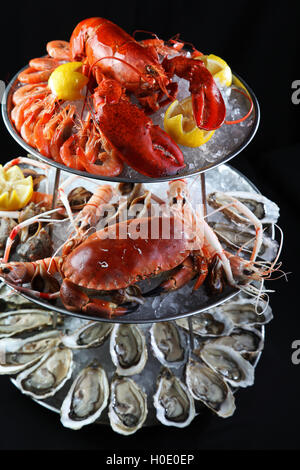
183	302
145	379
226	143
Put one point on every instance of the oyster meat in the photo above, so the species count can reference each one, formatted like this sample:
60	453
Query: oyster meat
230	364
173	402
128	349
45	378
244	312
211	323
16	354
208	387
18	321
243	340
242	236
167	343
128	406
10	300
86	398
90	335
264	209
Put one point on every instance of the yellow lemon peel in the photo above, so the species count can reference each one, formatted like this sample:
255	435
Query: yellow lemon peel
219	69
66	82
179	123
15	190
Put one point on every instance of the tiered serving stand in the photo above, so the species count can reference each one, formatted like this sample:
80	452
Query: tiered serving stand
144	318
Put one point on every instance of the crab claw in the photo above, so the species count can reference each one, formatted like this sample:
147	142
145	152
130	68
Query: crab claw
142	145
107	309
208	104
74	299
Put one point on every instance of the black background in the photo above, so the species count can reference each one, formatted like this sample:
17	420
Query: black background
260	41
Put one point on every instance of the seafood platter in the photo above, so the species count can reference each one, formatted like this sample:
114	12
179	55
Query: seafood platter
132	277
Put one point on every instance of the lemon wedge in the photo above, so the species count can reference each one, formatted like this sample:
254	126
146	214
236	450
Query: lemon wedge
219	69
66	82
179	123
15	190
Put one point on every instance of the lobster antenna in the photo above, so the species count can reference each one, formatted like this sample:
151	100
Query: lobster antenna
144	31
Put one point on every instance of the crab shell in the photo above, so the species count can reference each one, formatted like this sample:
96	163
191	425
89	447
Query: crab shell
122	254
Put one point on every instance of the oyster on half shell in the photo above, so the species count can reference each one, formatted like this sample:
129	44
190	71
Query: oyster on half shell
210	323
243	311
246	341
45	378
173	402
128	349
230	364
241	236
167	343
264	209
86	398
18	321
16	354
90	335
208	387
128	406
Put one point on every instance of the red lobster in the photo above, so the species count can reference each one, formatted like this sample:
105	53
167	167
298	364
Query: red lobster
121	64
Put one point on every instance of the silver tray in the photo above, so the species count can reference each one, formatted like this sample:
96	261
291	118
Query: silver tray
146	379
179	303
238	137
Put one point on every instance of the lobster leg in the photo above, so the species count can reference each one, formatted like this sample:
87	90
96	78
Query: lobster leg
75	299
208	104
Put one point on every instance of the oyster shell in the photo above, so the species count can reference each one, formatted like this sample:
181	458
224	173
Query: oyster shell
243	340
45	378
10	300
241	236
229	363
86	399
18	321
6	226
167	343
90	335
17	354
130	190
128	406
140	206
128	349
210	323
208	387
173	402
264	209
243	312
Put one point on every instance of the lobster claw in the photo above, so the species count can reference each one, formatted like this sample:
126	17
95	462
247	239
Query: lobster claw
208	104
142	145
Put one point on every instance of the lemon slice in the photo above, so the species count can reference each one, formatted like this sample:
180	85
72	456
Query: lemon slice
66	82
15	190
179	123
219	69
